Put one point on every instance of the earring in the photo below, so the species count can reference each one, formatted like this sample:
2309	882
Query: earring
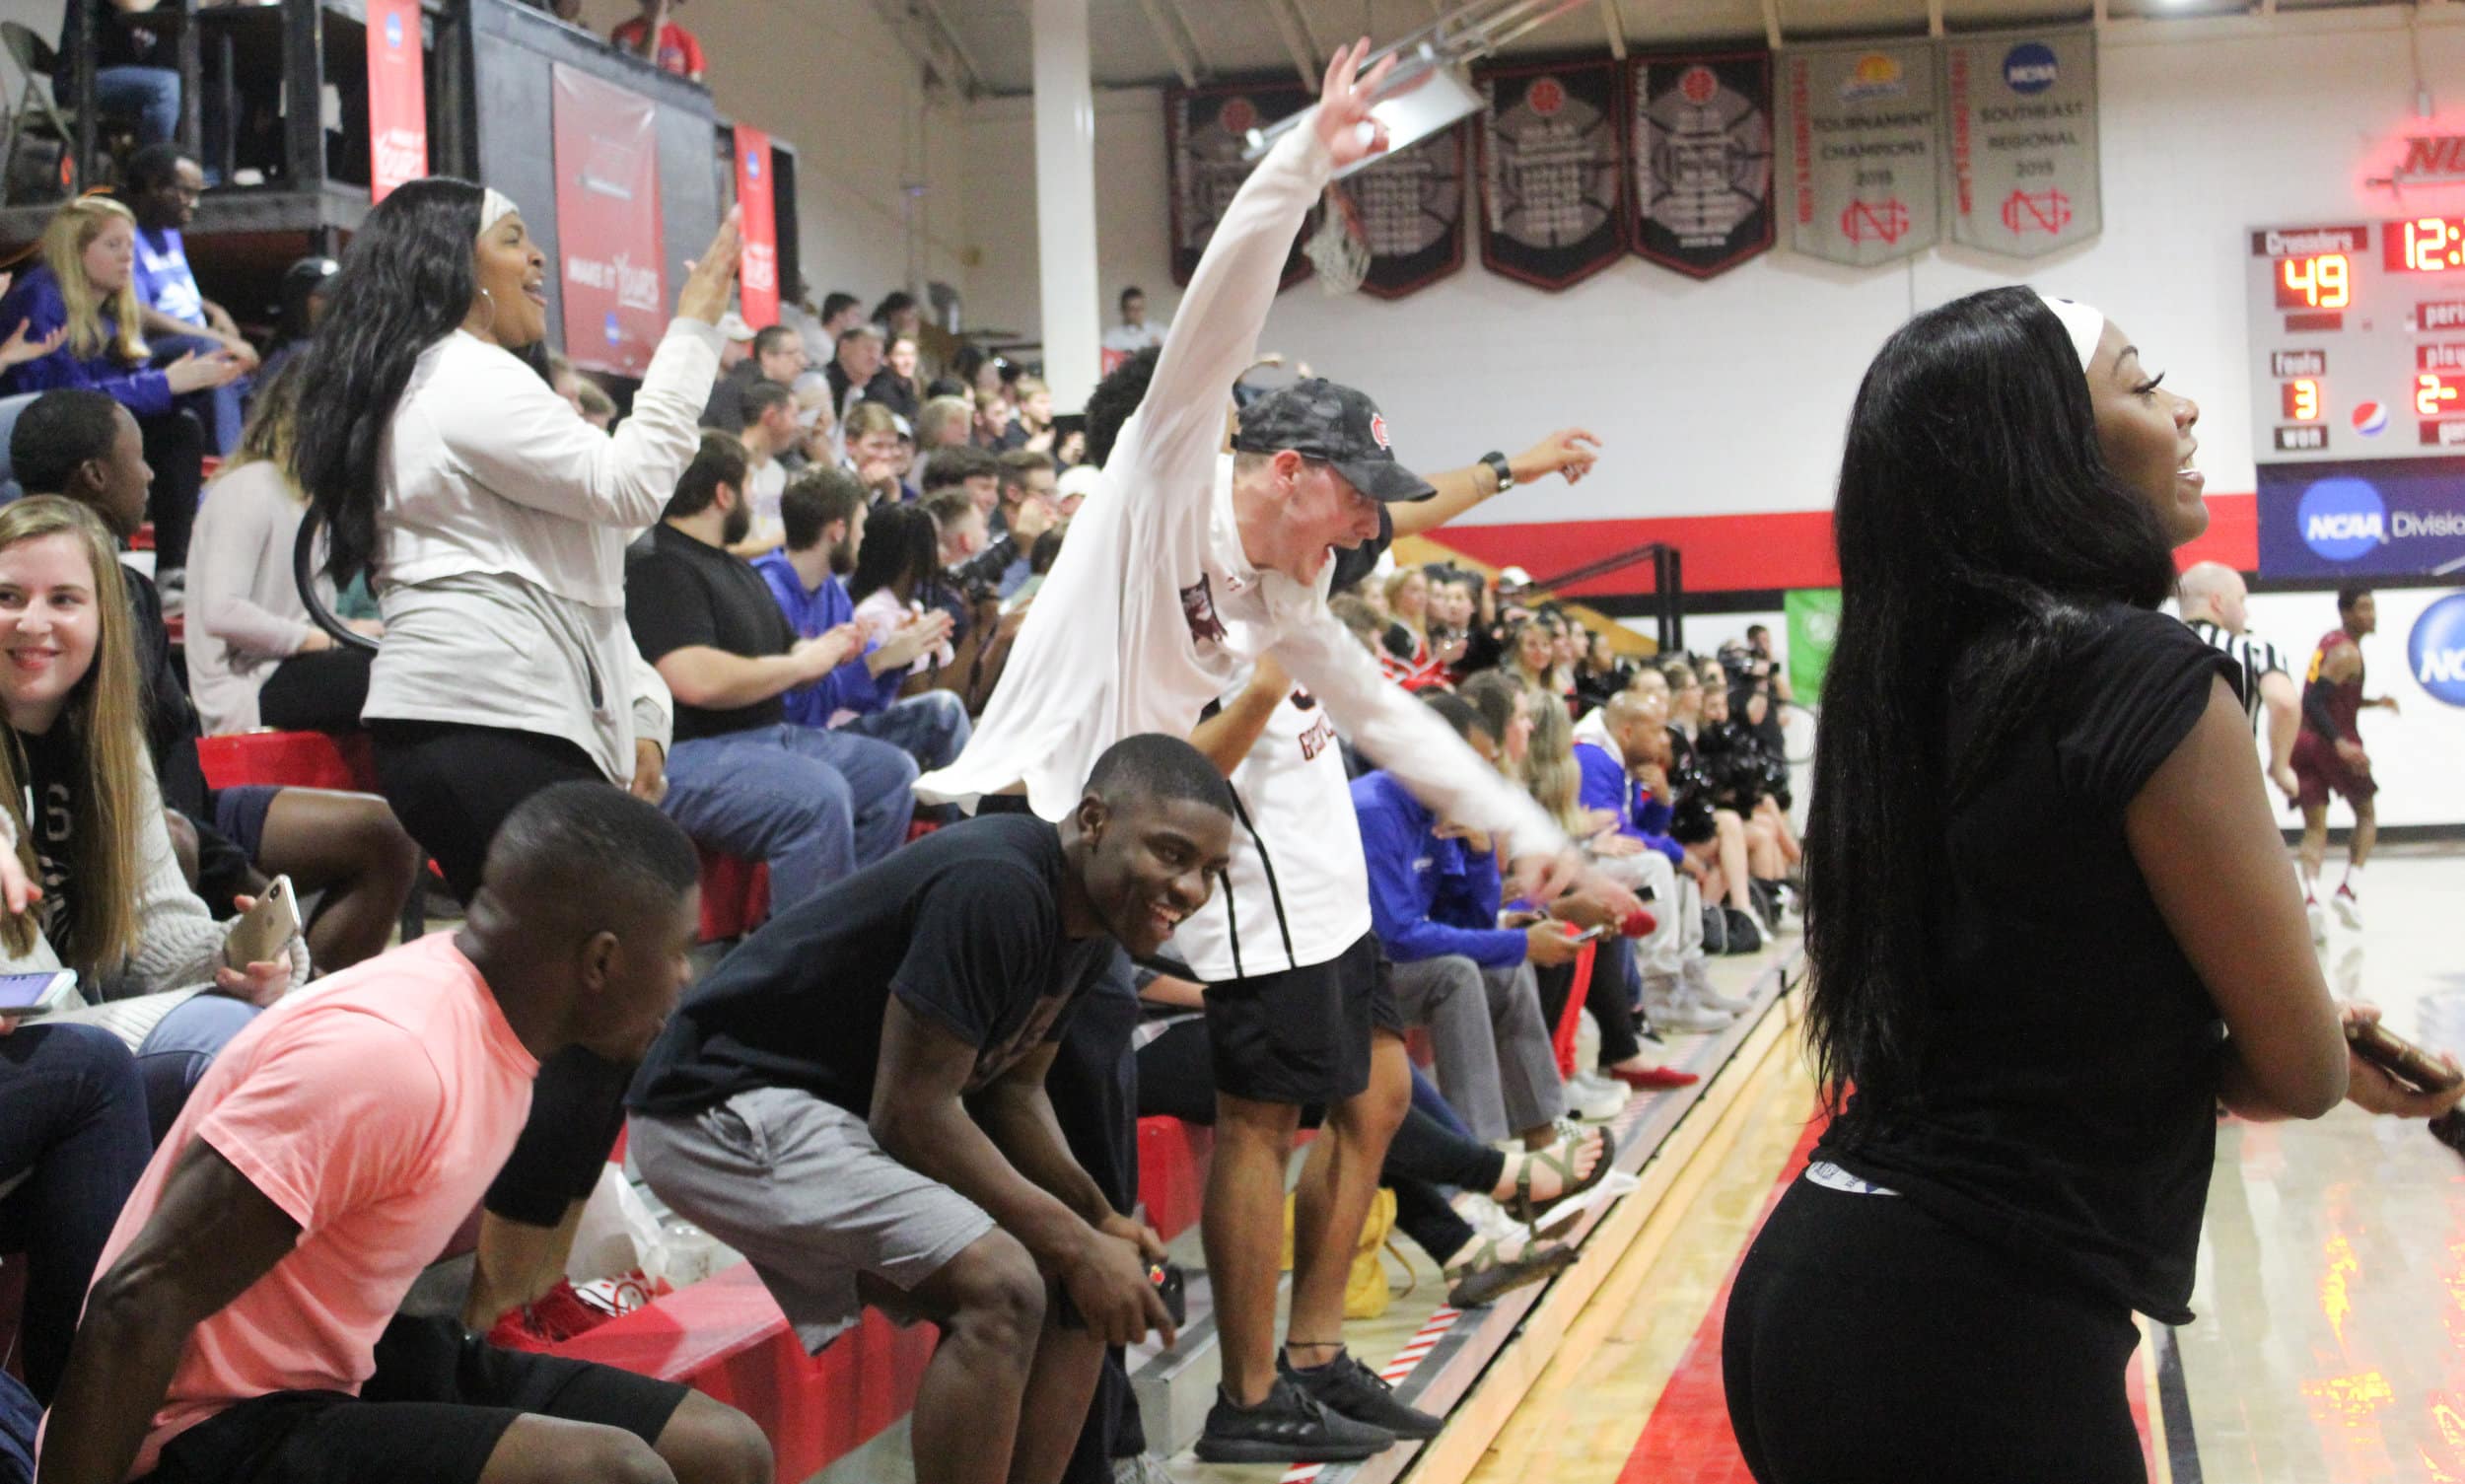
490	327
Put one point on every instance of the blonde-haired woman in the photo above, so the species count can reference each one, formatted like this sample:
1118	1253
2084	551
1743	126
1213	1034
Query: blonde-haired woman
81	299
256	659
83	818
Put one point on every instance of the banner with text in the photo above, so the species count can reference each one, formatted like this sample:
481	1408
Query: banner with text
1551	164
2021	154
2368	518
1862	124
1701	156
758	263
397	98
1206	130
607	223
1411	206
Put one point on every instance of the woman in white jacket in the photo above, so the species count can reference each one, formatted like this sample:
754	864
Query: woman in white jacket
493	519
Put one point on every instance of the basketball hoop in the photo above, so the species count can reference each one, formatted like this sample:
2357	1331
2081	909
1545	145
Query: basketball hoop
1340	249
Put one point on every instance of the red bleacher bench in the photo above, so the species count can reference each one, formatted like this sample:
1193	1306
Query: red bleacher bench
290	760
735	895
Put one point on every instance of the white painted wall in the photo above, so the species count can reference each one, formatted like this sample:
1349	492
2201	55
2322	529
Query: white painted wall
1731	395
2418	754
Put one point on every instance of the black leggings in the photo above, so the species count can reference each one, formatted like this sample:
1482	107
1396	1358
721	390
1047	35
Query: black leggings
1868	1341
174	445
319	691
452	787
1607	997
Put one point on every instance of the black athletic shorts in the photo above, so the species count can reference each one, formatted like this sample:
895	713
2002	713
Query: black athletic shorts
434	1411
1303	1036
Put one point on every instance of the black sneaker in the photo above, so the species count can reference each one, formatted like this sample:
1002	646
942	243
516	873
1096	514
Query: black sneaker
1744	938
1290	1426
1352	1389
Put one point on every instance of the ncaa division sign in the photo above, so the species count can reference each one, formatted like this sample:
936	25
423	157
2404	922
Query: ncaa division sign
1862	124
2435	649
2020	149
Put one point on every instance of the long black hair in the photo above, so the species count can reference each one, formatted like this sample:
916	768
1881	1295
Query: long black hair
901	544
406	283
1977	527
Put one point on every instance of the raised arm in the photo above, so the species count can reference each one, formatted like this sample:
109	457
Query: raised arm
1214	336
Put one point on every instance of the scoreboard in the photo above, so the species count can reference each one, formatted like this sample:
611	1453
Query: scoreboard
2358	392
2357	339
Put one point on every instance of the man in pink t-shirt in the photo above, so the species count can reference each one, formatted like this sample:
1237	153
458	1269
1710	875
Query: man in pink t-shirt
243	1328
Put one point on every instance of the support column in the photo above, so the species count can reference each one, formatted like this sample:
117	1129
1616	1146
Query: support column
1065	202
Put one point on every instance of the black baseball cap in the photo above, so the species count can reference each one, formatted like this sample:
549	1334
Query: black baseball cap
1321	419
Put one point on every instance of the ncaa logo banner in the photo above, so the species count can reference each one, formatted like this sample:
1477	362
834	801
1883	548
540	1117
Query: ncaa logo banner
1411	209
1701	160
1864	184
2021	164
1552	157
1206	130
2435	649
2376	519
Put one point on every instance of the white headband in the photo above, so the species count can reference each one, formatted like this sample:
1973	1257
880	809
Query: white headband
2086	326
494	206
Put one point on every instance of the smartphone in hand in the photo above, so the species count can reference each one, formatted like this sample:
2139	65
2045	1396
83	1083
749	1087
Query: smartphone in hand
267	933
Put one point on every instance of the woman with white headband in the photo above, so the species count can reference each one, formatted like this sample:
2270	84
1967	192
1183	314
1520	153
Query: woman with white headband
493	519
2049	927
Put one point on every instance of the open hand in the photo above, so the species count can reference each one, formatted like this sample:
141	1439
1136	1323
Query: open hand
708	278
18	349
1343	122
1571	452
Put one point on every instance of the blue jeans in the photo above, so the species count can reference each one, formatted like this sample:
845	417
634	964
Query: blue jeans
176	1053
814	805
73	1123
930	727
150	95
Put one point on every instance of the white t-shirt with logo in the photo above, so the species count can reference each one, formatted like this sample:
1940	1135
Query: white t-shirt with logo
1299	886
1155	558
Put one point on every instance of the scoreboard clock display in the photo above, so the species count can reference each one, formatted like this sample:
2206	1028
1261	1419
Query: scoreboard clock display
2357	341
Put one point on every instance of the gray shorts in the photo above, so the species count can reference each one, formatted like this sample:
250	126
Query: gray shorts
799	1186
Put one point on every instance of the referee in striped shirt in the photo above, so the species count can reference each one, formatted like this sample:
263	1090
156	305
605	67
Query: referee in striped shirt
2214	606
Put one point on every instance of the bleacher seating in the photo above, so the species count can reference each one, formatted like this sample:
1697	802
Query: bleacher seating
735	895
290	760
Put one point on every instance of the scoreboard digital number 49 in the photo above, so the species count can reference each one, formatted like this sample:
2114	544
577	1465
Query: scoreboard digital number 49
2358	334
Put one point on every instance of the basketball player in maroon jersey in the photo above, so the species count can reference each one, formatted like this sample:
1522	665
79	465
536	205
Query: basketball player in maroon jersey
2328	755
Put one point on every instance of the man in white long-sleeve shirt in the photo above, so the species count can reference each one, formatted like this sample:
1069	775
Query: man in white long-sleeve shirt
1199	578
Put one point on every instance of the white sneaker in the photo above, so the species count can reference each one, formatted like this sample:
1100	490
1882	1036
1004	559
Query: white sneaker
1668	1006
2349	909
2317	916
1145	1468
1595	1098
1694	979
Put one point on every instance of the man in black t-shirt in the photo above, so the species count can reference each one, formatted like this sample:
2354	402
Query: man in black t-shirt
815	804
855	1100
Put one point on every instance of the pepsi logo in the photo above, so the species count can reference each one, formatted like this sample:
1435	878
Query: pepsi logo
752	164
394	32
2029	67
1377	430
2370	419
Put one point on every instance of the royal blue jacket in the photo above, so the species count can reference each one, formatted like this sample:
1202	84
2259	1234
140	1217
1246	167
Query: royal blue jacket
35	299
1428	896
1642	814
853	686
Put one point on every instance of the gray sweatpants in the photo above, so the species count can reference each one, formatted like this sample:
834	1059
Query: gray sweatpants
1494	1058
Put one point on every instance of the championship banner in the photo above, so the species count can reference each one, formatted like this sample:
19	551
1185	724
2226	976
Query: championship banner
1862	123
1206	130
2020	151
758	261
1411	210
1701	160
397	98
1550	166
607	223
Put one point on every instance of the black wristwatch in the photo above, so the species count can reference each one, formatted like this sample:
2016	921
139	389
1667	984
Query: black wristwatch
1505	472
